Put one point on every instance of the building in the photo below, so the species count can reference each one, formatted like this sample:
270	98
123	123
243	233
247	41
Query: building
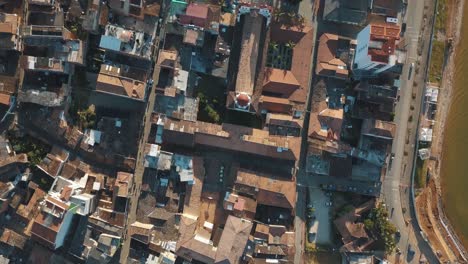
201	15
376	99
123	41
272	243
9	31
253	21
387	8
267	189
347	12
49	55
53	223
376	49
116	81
353	234
229	249
333	56
233	138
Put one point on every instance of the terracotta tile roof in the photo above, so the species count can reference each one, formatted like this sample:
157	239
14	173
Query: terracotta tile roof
4	99
167	58
233	240
201	15
347	226
193	194
122	183
191	37
120	86
66	192
269	190
197	10
280	81
231	137
109	216
51	165
386	35
283	120
12	238
9	23
250	49
49	221
327	62
324	123
378	128
26	211
8	84
275	104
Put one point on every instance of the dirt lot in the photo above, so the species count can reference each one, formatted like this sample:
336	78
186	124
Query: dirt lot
426	203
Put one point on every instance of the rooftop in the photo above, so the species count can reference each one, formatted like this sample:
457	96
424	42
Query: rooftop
269	190
178	106
201	15
122	183
328	61
231	137
8	30
252	31
324	123
383	41
127	41
48	222
110	81
343	11
378	129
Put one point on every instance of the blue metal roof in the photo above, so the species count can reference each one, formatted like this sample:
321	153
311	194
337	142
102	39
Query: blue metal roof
111	43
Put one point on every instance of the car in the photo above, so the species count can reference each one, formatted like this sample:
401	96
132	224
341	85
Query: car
329	204
329	194
311	237
398	251
397	235
410	250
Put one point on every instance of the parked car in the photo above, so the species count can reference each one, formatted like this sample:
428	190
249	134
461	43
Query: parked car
410	250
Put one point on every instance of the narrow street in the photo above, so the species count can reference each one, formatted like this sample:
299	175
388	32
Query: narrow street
306	8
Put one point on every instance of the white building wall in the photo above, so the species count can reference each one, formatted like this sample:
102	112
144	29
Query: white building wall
64	228
361	57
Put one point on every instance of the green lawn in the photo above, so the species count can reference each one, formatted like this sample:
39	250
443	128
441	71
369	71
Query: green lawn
437	61
421	171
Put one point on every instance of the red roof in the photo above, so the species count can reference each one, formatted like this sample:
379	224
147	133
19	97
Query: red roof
387	34
242	100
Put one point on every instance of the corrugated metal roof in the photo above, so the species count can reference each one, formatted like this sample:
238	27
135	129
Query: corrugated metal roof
108	42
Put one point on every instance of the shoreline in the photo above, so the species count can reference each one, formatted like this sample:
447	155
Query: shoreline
446	91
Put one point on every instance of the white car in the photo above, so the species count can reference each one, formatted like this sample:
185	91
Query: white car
329	204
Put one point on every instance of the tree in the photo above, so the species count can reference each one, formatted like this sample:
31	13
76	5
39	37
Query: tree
377	222
290	44
87	118
369	224
274	46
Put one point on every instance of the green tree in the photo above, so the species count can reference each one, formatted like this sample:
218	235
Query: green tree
87	118
369	224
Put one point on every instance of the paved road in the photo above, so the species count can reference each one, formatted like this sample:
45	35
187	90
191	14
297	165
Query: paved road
396	187
306	10
139	169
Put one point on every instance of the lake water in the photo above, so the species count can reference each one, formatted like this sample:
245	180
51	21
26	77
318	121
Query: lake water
455	157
